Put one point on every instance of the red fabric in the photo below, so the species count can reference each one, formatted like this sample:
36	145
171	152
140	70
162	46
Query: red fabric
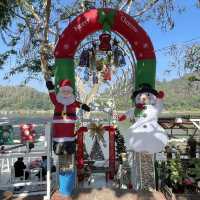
52	96
111	131
135	34
140	106
80	150
112	151
88	22
122	118
61	130
78	29
65	83
160	95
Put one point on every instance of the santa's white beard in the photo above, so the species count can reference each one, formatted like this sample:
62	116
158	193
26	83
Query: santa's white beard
65	100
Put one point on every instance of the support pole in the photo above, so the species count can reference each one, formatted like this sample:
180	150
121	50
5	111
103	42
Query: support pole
48	149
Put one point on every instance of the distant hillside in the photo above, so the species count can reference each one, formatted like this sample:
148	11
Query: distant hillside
180	96
23	98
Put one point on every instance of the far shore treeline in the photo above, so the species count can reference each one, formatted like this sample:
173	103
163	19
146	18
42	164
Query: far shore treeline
180	97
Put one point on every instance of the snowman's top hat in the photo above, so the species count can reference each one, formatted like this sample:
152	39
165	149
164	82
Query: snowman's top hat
144	88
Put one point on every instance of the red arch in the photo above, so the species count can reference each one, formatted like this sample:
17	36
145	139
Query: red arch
88	23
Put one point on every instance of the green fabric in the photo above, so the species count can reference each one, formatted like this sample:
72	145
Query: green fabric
145	73
65	70
139	113
106	19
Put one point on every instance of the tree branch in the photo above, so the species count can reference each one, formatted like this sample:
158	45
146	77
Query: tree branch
30	8
44	59
146	8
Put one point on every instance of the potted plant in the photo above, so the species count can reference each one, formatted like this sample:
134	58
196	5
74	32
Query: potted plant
175	175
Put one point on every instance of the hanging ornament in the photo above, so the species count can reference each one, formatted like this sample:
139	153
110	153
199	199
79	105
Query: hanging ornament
84	58
106	73
99	65
122	61
86	74
105	42
118	57
94	78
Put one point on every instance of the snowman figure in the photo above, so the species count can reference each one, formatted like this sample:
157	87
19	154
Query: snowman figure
146	135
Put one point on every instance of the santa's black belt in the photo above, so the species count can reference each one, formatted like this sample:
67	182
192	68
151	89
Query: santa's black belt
64	114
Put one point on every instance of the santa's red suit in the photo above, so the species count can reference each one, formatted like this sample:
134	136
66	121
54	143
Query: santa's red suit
63	120
64	113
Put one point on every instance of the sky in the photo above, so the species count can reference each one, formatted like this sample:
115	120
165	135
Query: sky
186	28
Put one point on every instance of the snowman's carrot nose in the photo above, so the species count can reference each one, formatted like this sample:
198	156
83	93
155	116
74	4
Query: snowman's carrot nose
144	98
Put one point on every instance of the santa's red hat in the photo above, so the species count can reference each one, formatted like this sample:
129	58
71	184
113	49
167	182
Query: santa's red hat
66	84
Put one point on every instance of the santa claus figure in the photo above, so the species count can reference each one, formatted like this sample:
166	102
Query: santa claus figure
64	117
146	135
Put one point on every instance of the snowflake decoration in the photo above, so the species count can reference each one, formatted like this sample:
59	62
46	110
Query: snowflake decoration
145	45
66	46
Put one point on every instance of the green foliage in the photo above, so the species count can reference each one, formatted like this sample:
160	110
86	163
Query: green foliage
23	98
175	172
7	12
195	171
192	58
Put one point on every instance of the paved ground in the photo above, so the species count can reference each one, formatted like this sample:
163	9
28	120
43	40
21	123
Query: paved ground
104	194
108	194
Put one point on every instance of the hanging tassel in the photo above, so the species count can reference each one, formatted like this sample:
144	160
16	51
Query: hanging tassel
107	73
84	58
122	61
86	74
94	78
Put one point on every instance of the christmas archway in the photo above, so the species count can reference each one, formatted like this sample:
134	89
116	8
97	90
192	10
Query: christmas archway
108	20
